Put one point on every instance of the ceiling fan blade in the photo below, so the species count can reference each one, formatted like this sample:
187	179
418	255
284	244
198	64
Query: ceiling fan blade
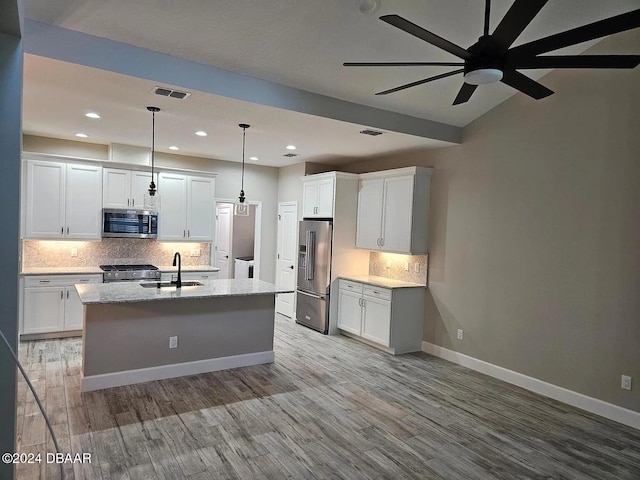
523	83
420	82
599	29
576	61
465	93
413	29
403	64
516	20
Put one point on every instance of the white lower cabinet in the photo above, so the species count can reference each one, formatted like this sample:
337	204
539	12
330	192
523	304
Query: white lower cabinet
390	318
51	303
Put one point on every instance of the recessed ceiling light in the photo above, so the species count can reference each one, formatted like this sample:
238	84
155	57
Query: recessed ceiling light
253	158
173	147
291	147
201	133
92	115
82	135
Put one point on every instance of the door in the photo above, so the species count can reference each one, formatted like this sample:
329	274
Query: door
369	222
172	218
376	320
43	309
224	219
349	311
83	201
314	265
398	212
286	258
325	198
139	186
309	199
117	188
200	209
45	200
73	311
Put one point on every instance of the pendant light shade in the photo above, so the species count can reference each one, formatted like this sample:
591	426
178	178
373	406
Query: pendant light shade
151	198
241	208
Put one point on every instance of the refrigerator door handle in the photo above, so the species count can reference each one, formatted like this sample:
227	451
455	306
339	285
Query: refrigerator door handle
310	295
311	254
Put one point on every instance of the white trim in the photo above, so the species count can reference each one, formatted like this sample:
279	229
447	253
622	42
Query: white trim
590	404
129	377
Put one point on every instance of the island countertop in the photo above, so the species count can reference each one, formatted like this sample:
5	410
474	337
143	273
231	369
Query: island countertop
126	292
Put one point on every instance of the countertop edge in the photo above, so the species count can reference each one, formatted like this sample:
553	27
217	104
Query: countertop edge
382	284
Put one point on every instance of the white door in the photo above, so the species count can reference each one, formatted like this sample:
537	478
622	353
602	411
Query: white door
287	256
224	217
73	310
309	199
369	221
117	188
349	311
139	186
84	202
45	200
172	219
325	198
398	212
43	309
200	209
376	320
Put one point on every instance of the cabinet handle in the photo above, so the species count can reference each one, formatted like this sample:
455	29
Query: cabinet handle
61	294
67	293
376	292
45	281
382	242
133	202
61	230
67	230
184	233
128	202
188	233
84	279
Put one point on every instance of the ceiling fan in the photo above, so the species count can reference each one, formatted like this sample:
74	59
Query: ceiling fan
492	59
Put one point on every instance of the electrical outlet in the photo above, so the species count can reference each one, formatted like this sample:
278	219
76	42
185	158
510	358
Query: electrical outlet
173	342
406	266
74	252
626	382
195	252
460	334
416	267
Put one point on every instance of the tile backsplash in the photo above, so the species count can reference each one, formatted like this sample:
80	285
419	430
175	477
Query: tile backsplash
109	251
393	265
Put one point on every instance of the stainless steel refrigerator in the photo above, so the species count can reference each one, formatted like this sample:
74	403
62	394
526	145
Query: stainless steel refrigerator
314	274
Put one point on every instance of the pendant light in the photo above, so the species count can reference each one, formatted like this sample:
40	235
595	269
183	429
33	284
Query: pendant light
151	198
241	208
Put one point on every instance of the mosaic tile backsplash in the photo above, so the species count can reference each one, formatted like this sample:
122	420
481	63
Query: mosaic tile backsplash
393	265
109	251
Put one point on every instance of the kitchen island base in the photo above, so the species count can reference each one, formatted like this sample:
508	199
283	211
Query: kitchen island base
127	343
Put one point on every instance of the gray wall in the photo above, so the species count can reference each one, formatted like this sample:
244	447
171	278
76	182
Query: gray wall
261	184
10	140
535	233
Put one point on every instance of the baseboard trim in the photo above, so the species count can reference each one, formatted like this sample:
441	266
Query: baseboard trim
129	377
579	400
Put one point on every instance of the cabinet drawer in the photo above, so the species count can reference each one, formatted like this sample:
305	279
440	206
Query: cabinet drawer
378	292
351	286
60	280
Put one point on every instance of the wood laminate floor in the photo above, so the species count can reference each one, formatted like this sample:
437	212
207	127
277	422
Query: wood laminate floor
328	408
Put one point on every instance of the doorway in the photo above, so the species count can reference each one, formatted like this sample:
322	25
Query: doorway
236	250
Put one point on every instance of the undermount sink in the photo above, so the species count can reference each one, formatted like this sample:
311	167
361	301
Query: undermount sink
169	284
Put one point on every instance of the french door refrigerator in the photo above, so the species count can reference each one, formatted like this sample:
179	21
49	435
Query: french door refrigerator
314	274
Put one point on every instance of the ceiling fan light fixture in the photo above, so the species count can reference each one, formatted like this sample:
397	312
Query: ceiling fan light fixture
483	76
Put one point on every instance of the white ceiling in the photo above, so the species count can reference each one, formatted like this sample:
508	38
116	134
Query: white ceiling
299	43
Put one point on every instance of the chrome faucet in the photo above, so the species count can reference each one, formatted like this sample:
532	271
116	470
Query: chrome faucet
178	282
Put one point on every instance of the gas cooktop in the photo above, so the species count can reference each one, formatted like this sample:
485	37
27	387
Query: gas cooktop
125	268
129	273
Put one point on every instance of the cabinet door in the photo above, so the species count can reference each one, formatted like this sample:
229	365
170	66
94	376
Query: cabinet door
117	188
376	320
139	186
83	201
172	217
43	310
349	312
44	209
200	209
309	199
73	311
325	198
369	222
398	213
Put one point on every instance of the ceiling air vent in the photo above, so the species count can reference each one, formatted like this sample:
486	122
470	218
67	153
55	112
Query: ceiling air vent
373	133
290	155
167	92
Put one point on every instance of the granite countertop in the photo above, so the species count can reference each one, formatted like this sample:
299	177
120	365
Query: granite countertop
123	292
382	281
189	268
60	270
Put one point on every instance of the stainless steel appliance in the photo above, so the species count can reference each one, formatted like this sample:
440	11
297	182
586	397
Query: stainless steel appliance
314	274
125	223
130	273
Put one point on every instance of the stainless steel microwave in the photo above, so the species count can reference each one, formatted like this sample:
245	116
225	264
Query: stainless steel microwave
125	223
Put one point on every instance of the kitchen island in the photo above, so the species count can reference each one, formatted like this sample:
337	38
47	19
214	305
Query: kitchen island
130	331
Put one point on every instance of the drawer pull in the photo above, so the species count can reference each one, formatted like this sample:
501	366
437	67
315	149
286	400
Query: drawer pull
45	281
84	280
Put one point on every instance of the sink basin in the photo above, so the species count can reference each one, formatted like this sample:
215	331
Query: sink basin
169	284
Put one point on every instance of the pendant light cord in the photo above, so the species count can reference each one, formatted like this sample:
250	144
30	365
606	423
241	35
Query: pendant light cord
244	135
487	12
153	141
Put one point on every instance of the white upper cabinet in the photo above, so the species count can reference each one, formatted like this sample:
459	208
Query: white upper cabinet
393	208
125	188
63	200
318	195
186	207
